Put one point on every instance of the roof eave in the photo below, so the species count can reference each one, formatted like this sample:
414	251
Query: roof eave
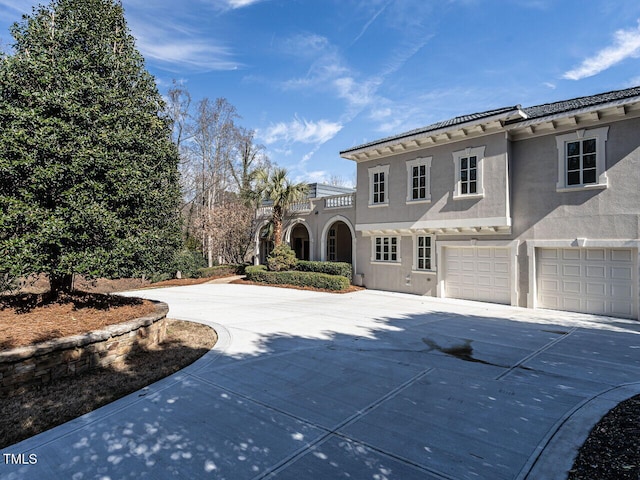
503	117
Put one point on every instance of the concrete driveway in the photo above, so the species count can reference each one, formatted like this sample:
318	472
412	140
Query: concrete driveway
368	385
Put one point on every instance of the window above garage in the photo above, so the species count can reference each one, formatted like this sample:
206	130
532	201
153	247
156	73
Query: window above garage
468	168
582	160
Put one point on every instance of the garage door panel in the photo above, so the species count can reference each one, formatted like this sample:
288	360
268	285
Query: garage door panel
571	254
571	270
621	256
483	275
595	254
599	281
599	307
572	287
596	289
595	272
621	273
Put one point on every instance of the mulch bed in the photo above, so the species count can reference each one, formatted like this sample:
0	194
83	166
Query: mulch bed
612	450
26	319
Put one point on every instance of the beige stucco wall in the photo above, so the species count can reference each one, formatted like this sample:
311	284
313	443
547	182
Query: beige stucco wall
442	205
540	212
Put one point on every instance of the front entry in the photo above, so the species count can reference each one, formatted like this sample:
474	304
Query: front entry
339	243
300	242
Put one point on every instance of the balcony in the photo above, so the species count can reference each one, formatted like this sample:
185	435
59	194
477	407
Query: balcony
339	201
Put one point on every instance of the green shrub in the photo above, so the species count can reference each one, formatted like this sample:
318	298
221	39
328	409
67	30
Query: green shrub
187	262
325	281
159	277
8	283
332	268
220	271
281	258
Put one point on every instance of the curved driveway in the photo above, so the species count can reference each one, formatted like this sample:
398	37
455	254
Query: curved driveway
367	385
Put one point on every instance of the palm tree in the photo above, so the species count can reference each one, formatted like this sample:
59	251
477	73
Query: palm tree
274	186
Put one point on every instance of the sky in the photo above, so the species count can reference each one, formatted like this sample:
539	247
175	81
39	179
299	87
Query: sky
314	77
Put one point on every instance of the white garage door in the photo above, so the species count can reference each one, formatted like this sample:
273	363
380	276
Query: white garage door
478	273
589	280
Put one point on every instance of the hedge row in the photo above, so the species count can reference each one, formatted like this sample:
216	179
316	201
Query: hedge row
259	273
331	268
220	270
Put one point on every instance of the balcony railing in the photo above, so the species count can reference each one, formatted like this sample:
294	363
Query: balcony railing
339	201
296	208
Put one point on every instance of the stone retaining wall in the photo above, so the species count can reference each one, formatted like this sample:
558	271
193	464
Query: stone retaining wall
63	357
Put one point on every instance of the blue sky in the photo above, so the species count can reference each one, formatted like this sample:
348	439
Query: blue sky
314	77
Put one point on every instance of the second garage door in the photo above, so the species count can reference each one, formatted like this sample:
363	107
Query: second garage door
589	280
478	273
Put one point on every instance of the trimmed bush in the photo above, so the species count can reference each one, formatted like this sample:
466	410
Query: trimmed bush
258	273
220	271
187	262
332	268
282	258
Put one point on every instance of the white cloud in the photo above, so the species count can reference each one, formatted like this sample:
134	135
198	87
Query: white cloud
550	85
371	20
301	131
176	49
626	44
241	3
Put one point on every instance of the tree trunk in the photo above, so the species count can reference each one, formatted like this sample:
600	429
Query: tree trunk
59	284
277	225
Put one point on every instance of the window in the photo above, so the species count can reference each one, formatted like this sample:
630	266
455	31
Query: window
386	249
331	247
468	165
378	181
423	258
581	159
418	180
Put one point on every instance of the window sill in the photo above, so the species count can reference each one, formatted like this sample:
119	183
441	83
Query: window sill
378	205
416	202
579	188
427	272
379	262
468	196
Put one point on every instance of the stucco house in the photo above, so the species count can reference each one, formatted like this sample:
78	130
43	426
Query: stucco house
535	207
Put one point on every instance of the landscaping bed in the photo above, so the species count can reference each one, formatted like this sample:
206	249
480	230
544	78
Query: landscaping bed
36	408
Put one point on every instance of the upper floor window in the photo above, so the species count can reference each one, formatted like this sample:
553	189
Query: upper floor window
468	166
386	249
378	182
581	159
418	180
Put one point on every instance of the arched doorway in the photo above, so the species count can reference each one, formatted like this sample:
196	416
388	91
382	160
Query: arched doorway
299	241
339	243
265	243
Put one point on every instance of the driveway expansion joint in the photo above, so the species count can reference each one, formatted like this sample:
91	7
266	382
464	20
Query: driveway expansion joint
534	354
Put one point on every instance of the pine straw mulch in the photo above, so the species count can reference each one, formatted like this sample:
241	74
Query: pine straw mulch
34	409
26	319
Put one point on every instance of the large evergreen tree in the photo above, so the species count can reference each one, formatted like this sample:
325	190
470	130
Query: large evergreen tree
88	171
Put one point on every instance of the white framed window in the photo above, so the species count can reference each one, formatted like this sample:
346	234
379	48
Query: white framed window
331	245
386	249
424	253
582	159
419	180
378	185
468	168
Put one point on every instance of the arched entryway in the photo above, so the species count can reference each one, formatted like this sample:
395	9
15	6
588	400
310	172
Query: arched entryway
338	241
264	243
300	241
